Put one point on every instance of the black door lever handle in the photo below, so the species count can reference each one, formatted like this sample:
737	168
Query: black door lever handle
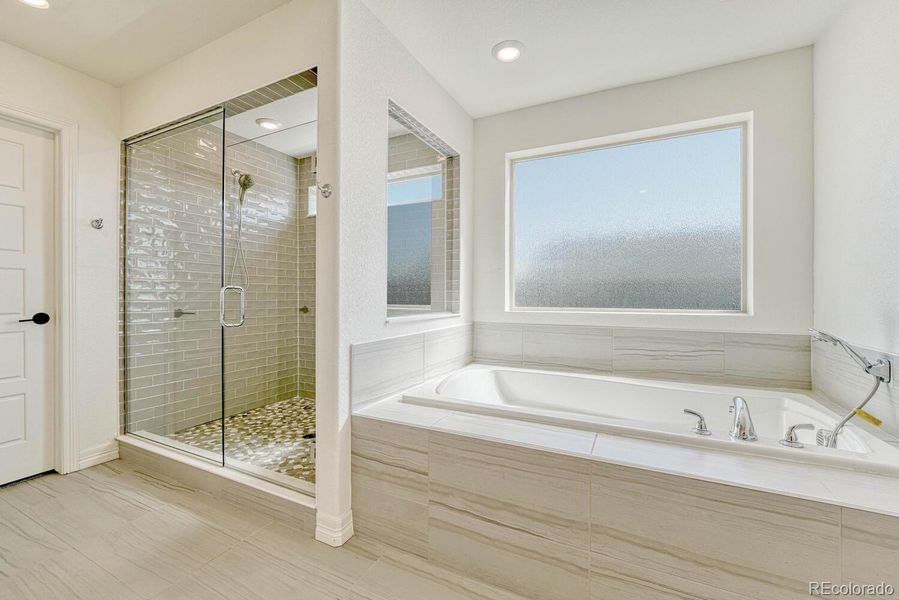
37	319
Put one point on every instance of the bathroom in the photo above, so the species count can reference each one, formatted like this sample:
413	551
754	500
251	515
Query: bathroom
369	299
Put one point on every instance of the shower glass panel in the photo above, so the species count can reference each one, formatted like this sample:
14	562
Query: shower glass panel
270	251
219	283
173	277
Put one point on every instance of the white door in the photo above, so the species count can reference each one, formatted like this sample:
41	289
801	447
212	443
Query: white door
26	287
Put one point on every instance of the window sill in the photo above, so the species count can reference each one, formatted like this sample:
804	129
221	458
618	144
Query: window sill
633	311
430	316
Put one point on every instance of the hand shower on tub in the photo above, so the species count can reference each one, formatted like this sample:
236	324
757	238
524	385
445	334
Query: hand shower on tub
880	369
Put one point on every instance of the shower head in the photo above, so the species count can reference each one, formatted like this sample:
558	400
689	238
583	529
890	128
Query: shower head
822	336
880	367
244	180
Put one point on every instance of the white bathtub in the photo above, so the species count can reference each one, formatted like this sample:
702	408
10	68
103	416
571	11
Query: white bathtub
653	410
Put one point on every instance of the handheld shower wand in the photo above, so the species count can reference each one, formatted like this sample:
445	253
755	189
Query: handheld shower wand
245	182
880	369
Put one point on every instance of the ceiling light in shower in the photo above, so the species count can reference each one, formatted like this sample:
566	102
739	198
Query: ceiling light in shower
267	123
508	51
36	3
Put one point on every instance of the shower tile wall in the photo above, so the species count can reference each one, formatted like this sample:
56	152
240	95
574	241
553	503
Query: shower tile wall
453	227
263	357
306	279
174	261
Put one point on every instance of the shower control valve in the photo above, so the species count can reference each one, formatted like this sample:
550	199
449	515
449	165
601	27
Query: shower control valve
790	439
700	428
326	190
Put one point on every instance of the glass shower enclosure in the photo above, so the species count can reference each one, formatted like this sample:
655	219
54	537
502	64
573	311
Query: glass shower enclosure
218	283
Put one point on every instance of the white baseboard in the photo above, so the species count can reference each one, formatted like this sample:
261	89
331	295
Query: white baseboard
98	454
334	531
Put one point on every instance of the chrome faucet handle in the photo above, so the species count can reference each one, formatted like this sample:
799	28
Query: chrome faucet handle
700	427
791	440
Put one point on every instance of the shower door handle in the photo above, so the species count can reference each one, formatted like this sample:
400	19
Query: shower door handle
242	293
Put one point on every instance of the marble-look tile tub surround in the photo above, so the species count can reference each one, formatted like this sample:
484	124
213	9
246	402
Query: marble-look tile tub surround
747	359
383	367
562	514
844	383
174	254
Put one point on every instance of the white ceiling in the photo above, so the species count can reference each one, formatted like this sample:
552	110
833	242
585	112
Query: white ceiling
574	47
119	40
298	115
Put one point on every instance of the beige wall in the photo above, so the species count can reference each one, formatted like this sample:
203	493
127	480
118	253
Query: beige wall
375	67
856	208
857	177
776	88
37	86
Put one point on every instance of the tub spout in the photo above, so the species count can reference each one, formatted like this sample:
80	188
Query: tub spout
742	428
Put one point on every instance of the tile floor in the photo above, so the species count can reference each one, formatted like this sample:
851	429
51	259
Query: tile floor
117	532
270	437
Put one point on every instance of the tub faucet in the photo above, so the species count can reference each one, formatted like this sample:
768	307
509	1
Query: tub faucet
742	429
881	369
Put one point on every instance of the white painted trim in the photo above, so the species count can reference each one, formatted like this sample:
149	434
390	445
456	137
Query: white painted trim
334	531
65	422
98	454
425	316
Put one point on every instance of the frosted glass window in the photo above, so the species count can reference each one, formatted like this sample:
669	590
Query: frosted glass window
649	225
409	224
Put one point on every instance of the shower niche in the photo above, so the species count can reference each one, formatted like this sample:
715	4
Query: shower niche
218	282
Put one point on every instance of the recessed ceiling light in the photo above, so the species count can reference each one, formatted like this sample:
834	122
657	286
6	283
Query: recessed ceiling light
36	3
508	51
267	123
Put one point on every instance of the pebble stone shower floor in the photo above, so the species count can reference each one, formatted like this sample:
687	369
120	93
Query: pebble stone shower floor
270	437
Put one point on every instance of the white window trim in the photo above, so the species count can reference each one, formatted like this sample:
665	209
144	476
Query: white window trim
743	120
417	172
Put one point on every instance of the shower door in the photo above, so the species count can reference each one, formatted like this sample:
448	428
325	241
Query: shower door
173	286
218	304
269	253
